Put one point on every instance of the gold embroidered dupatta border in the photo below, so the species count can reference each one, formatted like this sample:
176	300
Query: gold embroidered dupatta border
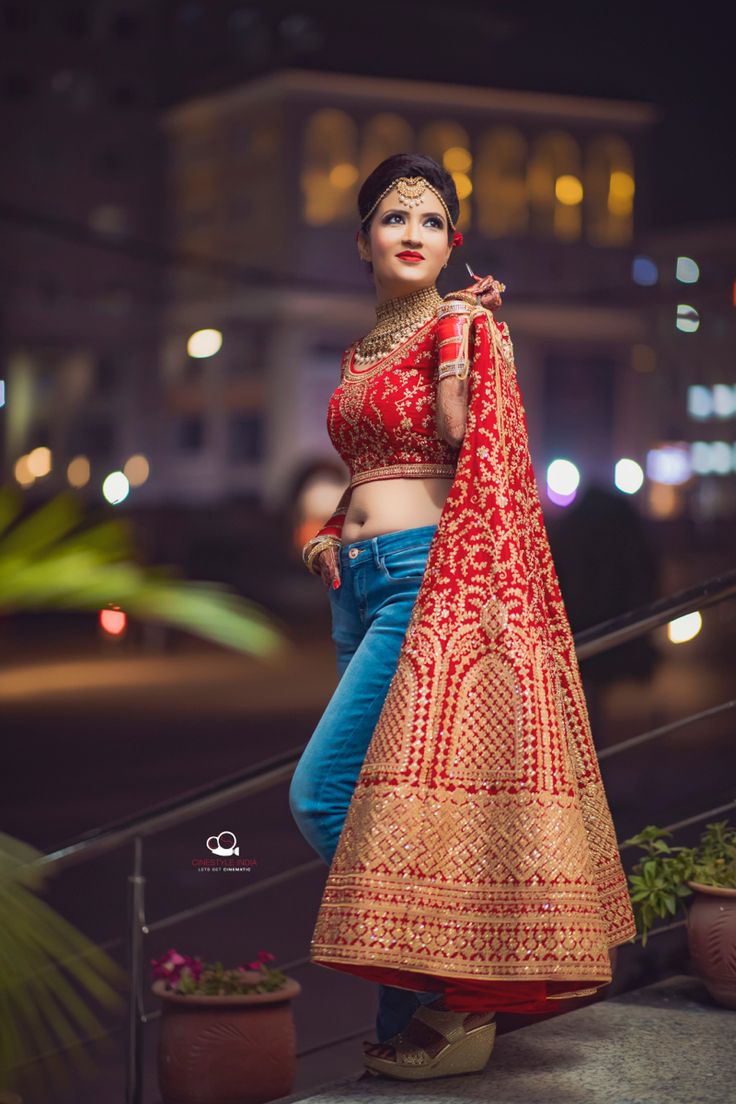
479	846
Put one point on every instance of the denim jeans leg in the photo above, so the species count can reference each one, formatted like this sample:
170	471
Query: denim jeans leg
396	1007
370	613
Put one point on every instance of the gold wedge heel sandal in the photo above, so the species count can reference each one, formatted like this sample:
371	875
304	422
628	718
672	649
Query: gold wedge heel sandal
465	1051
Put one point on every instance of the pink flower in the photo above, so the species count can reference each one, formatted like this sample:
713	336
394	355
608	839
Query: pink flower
169	967
194	965
263	957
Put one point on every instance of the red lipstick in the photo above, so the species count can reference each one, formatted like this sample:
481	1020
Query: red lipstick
410	255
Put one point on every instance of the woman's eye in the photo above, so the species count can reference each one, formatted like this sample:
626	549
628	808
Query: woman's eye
431	219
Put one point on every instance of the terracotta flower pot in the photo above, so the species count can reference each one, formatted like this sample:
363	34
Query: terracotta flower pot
226	1050
711	934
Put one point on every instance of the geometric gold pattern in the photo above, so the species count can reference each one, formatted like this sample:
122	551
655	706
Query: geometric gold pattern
478	855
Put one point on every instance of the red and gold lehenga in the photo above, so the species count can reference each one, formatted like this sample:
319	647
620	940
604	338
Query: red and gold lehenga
478	856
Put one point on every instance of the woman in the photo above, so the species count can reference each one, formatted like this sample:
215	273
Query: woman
452	783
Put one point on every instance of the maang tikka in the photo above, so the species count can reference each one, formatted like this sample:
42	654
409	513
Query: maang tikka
410	190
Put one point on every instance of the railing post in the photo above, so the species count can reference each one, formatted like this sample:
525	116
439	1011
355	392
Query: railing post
136	931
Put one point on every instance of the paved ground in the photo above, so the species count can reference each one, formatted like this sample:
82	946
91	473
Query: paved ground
665	1042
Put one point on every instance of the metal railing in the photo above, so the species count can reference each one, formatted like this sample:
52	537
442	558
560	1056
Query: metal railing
278	769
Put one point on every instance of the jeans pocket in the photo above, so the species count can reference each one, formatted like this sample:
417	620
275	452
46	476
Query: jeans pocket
400	564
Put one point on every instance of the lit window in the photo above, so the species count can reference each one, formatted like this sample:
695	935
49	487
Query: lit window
699	401
670	463
330	152
724	400
501	184
383	135
554	155
445	137
609	190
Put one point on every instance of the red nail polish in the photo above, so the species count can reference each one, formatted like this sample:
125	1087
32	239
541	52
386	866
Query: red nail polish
335	584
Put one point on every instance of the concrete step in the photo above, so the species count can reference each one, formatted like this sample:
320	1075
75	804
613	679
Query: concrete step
667	1042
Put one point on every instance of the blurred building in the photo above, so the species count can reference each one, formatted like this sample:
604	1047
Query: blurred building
79	216
265	177
687	375
183	286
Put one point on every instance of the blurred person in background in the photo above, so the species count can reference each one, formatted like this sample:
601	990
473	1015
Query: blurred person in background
607	565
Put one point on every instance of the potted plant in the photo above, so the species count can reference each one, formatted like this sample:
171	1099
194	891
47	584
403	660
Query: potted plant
226	1035
667	875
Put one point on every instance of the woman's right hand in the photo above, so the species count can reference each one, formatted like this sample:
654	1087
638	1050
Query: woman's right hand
329	567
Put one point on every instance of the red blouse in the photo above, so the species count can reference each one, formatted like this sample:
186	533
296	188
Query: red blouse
381	417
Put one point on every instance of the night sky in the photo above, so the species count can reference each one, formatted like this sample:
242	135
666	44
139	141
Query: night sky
677	57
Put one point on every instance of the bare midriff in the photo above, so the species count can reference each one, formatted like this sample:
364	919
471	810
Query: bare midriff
386	505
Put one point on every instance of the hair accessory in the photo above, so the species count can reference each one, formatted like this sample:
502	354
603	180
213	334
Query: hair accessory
457	238
410	189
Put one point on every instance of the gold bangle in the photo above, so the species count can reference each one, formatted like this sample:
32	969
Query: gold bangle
311	556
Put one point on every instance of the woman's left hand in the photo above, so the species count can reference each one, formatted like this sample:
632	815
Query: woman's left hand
488	291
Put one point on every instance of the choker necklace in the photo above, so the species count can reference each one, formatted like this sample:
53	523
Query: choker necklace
396	320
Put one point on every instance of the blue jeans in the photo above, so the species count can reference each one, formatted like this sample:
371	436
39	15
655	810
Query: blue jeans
380	578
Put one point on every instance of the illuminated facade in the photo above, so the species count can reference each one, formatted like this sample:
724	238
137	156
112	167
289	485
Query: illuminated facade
265	177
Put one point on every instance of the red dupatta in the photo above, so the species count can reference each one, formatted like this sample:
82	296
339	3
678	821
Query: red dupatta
478	856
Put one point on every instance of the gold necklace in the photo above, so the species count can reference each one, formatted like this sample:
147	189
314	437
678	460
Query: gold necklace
396	320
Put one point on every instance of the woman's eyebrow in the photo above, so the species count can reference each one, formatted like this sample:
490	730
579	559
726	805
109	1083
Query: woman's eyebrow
400	211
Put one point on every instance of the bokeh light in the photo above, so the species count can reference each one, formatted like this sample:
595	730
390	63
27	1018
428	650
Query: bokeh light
204	343
644	271
78	471
39	461
684	628
628	475
343	175
115	487
463	184
688	319
670	463
23	474
568	190
457	159
687	271
136	469
563	479
113	621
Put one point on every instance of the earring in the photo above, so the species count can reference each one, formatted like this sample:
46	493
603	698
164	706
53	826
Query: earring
445	265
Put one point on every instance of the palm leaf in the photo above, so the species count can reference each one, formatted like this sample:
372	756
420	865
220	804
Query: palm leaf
47	562
48	972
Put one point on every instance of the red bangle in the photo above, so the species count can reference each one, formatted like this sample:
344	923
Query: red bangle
333	526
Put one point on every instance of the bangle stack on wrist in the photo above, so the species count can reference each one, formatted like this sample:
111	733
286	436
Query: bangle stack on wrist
327	537
312	549
453	332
